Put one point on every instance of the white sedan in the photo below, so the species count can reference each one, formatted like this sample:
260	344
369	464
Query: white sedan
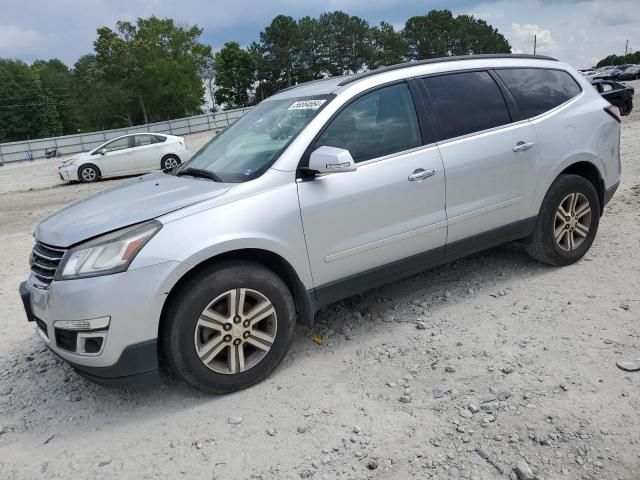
127	155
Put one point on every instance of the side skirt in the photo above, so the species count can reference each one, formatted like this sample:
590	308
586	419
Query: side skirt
346	287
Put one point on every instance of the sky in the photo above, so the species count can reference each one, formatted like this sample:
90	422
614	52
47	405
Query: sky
579	32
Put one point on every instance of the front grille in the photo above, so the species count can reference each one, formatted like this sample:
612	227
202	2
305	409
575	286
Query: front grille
45	260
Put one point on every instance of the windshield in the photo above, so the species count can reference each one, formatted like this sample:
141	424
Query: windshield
248	147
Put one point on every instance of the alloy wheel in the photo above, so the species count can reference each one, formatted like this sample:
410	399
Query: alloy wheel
171	162
572	221
89	174
235	331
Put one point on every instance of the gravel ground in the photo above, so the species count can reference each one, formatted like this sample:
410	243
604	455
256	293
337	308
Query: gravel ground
490	367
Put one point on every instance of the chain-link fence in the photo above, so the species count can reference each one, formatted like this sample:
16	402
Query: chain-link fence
32	149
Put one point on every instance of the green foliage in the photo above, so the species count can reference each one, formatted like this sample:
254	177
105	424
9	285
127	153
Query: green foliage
388	46
57	83
440	34
26	111
155	69
234	75
619	59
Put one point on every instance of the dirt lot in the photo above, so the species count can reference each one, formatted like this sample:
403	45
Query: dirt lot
460	372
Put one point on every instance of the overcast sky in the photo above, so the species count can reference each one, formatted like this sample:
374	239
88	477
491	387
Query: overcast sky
576	31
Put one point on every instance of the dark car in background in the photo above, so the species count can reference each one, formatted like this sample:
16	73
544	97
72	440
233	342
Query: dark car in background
616	93
632	72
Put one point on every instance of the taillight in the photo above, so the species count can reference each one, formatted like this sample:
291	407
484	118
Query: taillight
614	112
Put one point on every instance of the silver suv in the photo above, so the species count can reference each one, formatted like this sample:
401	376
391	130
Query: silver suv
321	191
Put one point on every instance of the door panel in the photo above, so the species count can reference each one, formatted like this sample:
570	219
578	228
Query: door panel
147	153
357	221
488	184
492	165
118	159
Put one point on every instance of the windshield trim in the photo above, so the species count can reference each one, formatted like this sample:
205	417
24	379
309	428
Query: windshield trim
259	172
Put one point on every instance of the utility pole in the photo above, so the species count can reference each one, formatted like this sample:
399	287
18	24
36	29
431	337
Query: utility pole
535	38
626	50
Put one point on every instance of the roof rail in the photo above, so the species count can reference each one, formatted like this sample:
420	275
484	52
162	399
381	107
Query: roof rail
318	80
399	66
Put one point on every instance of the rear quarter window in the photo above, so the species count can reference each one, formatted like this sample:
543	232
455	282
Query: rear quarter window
538	90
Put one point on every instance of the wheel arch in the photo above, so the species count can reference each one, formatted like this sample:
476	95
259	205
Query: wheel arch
592	173
305	307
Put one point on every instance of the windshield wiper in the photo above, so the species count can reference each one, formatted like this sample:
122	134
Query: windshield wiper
199	172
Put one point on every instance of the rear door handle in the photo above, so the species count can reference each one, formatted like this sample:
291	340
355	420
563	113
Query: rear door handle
522	146
420	174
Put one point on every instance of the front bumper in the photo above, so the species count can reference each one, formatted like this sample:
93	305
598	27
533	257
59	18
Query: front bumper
134	301
68	173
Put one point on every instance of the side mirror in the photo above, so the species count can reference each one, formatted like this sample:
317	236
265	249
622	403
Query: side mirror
103	151
331	160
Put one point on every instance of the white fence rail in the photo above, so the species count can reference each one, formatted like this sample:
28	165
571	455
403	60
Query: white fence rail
32	149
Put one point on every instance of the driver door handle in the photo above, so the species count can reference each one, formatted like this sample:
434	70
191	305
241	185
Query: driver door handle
420	174
522	146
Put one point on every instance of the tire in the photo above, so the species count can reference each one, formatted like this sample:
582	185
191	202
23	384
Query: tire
200	354
170	161
626	108
543	245
88	174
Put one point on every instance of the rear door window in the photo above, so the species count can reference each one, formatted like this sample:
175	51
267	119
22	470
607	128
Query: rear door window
466	102
142	140
376	124
538	90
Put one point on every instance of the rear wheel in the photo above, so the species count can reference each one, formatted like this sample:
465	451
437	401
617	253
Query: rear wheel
567	223
169	162
88	174
229	327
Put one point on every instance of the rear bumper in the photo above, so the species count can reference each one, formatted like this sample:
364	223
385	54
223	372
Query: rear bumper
610	192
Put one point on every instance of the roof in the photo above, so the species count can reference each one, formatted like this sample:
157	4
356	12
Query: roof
428	61
329	85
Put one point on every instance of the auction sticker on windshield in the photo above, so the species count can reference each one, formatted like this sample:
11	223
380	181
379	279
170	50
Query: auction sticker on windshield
306	105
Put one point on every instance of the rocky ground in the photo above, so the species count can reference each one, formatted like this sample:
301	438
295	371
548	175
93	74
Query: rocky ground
491	367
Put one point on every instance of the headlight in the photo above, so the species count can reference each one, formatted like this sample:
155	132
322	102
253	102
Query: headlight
110	253
71	161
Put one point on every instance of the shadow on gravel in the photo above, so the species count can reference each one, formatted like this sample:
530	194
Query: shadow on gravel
54	382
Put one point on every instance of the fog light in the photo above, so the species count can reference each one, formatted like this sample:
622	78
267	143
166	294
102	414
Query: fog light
83	325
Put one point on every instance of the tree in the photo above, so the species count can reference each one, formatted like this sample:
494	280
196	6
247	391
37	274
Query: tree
388	46
311	49
440	34
345	46
281	43
57	83
158	62
235	69
475	36
25	109
619	59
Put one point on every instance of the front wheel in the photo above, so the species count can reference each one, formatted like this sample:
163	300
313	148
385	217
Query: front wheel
567	222
88	174
229	327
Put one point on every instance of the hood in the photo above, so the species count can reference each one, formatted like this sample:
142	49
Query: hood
133	202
